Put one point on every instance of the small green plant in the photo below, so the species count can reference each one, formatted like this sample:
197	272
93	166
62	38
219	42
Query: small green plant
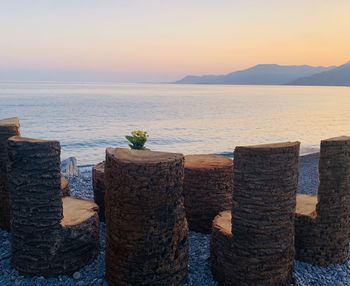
137	139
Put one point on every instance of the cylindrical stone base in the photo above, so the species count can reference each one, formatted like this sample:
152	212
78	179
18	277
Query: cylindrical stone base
261	250
208	187
323	237
48	237
98	184
146	228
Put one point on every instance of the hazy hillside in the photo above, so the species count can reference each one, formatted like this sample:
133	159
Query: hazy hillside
264	74
339	76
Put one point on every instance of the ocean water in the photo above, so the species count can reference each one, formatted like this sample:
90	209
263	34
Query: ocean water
87	118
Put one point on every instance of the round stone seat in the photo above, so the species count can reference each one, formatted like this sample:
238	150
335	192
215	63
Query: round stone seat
146	227
79	238
76	211
51	235
208	187
306	205
99	187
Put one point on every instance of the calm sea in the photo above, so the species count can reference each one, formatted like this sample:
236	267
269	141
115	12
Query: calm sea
87	118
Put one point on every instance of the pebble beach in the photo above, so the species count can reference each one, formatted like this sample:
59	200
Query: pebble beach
199	268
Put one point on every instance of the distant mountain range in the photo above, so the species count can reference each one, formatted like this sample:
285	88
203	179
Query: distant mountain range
338	76
272	74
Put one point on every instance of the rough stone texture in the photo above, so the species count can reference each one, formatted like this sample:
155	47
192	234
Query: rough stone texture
323	235
256	247
8	127
208	187
50	236
65	191
221	240
98	183
146	227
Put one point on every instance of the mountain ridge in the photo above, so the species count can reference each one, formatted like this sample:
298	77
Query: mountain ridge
338	76
263	74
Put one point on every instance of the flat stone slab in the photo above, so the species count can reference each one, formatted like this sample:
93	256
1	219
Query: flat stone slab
142	156
207	161
9	122
75	211
306	205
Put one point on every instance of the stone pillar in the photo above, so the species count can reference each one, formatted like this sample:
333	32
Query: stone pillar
47	236
208	187
34	183
98	184
146	228
323	236
261	250
8	127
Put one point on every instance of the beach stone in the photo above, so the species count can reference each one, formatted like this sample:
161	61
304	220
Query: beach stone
77	275
51	235
8	127
322	228
69	167
208	187
98	183
146	227
254	244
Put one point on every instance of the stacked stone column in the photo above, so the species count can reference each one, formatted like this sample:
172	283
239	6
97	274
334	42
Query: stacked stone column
322	237
208	187
8	127
257	247
46	240
146	228
98	184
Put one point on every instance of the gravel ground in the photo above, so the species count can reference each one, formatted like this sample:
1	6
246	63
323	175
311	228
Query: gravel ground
199	268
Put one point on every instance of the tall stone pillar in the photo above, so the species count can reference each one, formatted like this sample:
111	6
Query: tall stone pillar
146	228
255	245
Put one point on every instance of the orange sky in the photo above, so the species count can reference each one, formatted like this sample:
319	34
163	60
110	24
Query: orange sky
168	39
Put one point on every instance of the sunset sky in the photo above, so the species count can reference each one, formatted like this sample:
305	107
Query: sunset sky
160	40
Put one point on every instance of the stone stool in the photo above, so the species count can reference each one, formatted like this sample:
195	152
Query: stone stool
8	127
50	235
254	244
322	225
98	184
208	187
146	227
